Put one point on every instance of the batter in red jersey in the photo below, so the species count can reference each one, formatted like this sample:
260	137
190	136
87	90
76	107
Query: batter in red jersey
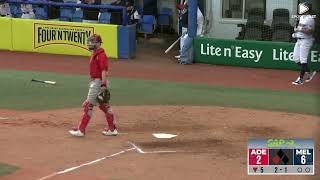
98	84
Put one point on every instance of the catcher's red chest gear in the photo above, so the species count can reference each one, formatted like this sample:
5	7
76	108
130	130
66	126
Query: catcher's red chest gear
98	63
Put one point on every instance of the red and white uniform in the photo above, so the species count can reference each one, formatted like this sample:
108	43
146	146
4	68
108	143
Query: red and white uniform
98	63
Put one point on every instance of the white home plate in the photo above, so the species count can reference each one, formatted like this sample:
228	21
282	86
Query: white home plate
164	136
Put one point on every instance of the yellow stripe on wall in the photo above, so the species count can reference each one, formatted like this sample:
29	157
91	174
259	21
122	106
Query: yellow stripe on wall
5	33
57	37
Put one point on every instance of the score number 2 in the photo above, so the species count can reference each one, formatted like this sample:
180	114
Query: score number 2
259	159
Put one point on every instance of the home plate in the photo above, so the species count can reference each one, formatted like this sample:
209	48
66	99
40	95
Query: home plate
163	136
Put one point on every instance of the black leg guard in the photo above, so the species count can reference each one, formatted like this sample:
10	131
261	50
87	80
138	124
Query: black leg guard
304	69
308	69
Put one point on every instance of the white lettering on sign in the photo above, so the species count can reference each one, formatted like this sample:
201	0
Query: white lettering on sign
282	55
248	54
302	152
210	50
315	56
259	152
239	52
228	52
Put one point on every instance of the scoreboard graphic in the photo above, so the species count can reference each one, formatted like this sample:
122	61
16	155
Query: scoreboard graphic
280	157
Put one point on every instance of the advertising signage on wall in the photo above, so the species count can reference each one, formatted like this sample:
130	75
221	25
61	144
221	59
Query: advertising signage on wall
70	38
55	37
48	34
274	55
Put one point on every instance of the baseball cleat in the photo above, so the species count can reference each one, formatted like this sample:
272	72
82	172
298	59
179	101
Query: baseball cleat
298	82
110	133
185	63
311	76
76	133
177	57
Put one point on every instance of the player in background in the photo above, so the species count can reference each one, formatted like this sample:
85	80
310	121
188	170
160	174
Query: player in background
27	11
4	9
183	18
186	58
304	35
98	83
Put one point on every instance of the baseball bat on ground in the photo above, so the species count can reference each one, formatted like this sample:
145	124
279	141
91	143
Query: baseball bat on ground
45	82
172	45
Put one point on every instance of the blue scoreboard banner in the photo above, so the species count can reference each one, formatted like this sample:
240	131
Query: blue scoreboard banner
280	157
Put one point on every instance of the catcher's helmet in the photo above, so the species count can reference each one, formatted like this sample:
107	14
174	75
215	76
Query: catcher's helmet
93	41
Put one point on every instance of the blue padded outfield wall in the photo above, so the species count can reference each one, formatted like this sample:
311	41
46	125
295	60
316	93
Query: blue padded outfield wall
127	41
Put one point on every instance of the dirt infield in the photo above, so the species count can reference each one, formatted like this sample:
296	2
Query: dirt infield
211	141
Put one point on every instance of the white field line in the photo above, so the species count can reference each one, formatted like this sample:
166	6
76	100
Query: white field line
134	147
150	152
85	164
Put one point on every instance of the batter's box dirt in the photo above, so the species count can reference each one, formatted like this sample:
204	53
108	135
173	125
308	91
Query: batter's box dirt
209	146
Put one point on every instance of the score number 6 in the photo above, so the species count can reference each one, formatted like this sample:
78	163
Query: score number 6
303	159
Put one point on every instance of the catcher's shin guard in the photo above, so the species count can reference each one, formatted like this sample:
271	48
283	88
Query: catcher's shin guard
87	114
109	115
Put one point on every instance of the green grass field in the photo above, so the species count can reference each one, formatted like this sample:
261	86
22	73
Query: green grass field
6	169
17	92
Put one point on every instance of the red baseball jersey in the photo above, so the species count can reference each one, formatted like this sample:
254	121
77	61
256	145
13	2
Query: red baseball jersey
98	63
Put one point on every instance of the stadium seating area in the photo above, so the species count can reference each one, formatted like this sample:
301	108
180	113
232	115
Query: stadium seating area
64	13
69	10
255	29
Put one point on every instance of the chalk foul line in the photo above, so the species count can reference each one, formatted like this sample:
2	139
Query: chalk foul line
85	164
139	150
134	147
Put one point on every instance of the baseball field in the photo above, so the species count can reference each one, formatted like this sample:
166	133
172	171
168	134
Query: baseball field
214	110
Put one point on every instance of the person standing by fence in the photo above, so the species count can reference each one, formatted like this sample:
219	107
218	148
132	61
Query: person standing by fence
4	9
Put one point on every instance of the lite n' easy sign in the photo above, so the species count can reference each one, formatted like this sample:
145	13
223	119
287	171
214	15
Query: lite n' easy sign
274	55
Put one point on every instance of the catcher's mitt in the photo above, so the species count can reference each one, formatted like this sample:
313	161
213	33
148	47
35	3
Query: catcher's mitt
104	98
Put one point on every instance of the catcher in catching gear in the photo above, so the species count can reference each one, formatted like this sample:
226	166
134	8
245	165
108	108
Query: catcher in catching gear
99	93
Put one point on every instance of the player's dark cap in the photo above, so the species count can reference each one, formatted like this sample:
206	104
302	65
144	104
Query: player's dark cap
308	4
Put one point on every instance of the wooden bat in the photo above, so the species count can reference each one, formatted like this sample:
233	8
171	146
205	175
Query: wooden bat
45	82
172	45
